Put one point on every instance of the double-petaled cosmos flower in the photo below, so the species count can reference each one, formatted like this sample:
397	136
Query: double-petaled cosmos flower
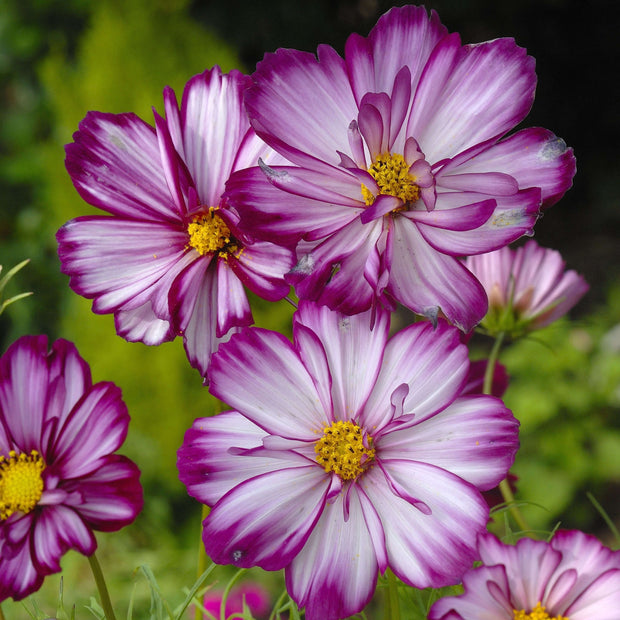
347	453
400	165
170	259
528	288
59	478
574	577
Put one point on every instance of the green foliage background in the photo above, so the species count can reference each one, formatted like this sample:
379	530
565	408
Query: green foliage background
59	60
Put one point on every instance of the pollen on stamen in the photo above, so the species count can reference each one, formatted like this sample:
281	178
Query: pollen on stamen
391	173
538	613
344	449
21	483
209	233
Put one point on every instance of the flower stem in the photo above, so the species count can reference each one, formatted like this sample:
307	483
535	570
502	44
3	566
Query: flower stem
392	609
101	587
202	557
487	388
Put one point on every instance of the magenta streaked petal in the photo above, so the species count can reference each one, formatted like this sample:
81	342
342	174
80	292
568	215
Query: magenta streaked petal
601	599
266	520
479	440
333	272
514	216
24	369
492	183
374	122
430	361
535	157
335	574
261	267
251	194
284	84
382	205
142	325
233	307
18	575
57	530
427	550
425	280
354	353
111	496
208	467
115	165
96	427
404	36
214	125
467	217
115	261
259	373
470	94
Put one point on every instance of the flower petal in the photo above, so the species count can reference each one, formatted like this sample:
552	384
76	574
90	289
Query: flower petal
478	442
265	520
470	94
115	165
259	373
427	550
335	574
425	280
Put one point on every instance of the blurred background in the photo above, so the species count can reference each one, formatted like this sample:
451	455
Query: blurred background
61	58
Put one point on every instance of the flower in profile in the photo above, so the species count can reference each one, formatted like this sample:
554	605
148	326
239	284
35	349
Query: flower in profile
59	478
528	288
170	260
573	577
400	165
347	453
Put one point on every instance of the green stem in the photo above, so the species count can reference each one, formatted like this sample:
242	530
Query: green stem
202	557
101	587
392	609
487	388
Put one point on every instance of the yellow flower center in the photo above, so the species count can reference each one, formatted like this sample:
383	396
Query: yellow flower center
344	449
209	233
391	172
21	485
538	613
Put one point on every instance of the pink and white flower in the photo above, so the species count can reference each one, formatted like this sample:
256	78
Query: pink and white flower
59	476
170	260
347	452
401	164
573	577
528	288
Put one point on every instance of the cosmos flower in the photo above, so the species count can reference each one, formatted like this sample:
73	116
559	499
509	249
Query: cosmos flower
527	288
59	478
170	259
346	453
574	577
401	166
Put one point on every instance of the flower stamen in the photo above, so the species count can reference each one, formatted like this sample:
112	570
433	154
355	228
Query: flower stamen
538	613
21	484
344	449
391	172
209	233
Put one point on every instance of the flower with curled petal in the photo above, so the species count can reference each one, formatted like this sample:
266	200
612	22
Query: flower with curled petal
59	476
347	452
573	577
401	164
170	260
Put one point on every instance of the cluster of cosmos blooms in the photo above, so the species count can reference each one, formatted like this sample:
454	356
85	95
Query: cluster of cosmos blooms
387	176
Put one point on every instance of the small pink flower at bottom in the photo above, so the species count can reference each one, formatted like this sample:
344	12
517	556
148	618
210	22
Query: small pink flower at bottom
59	478
252	594
349	452
527	288
574	577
